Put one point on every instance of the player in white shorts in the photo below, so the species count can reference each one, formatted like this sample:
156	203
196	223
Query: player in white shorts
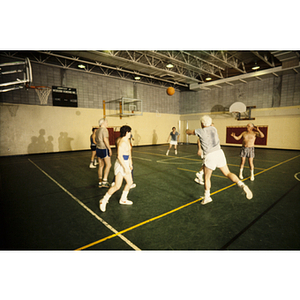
122	169
214	157
174	135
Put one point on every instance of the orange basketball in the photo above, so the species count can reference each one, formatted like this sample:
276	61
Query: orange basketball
170	91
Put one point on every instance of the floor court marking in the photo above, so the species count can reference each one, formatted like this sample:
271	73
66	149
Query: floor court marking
174	210
87	209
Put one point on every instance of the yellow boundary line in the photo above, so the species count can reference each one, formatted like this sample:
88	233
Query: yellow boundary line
174	210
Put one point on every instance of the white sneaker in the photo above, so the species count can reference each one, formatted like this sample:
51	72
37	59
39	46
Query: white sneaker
92	166
206	200
102	204
199	181
241	176
247	191
133	186
252	178
126	202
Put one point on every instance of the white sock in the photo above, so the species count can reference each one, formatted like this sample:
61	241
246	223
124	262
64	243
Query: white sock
124	196
241	171
252	172
240	184
207	194
106	196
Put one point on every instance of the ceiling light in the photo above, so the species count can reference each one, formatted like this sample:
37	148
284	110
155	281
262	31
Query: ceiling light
169	65
208	78
81	66
255	67
137	77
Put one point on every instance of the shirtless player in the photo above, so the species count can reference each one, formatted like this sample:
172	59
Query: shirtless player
249	138
122	168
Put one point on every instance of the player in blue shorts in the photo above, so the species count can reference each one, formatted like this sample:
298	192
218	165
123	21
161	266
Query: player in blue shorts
103	152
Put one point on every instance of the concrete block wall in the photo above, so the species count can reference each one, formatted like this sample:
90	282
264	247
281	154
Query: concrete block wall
92	89
267	93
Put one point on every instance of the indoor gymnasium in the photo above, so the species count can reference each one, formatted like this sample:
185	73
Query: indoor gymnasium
50	102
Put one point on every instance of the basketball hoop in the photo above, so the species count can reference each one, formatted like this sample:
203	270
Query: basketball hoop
43	93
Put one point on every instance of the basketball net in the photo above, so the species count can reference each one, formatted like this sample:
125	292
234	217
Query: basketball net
43	94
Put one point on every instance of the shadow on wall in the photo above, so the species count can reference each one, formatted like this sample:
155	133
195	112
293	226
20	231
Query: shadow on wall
137	138
154	137
40	145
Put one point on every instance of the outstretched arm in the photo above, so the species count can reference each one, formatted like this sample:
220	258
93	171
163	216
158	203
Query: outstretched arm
190	131
237	137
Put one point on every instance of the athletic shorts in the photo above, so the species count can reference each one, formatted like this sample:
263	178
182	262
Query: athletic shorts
215	160
247	152
102	153
93	148
173	142
119	169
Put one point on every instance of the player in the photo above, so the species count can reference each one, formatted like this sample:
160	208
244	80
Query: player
93	148
214	157
174	136
247	150
122	169
103	152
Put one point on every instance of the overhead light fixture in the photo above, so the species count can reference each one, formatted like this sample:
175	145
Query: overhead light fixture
81	66
137	77
255	67
169	66
208	78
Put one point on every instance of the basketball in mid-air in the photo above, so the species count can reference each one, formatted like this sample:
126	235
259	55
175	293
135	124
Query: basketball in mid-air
170	91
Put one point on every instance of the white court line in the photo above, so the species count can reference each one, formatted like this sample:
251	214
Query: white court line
147	159
296	176
89	210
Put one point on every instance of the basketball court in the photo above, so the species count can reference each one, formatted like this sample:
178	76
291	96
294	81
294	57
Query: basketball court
51	202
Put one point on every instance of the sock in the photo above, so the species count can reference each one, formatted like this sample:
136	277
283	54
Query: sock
167	152
241	171
252	172
175	151
124	196
206	193
106	196
240	184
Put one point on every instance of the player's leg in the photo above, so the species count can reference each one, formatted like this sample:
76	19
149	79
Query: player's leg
251	165
225	170
100	170
107	161
118	182
123	199
207	185
243	160
92	164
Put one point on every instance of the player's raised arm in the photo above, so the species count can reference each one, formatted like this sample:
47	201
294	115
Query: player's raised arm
190	131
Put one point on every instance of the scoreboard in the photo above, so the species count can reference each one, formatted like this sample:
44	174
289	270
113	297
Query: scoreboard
64	96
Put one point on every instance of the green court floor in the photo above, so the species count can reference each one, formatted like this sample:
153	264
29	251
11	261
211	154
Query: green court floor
51	202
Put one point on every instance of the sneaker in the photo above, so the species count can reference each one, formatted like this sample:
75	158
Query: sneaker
206	200
200	177
92	166
175	152
252	178
96	163
105	184
126	202
241	176
102	204
167	153
100	185
133	186
199	181
247	191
